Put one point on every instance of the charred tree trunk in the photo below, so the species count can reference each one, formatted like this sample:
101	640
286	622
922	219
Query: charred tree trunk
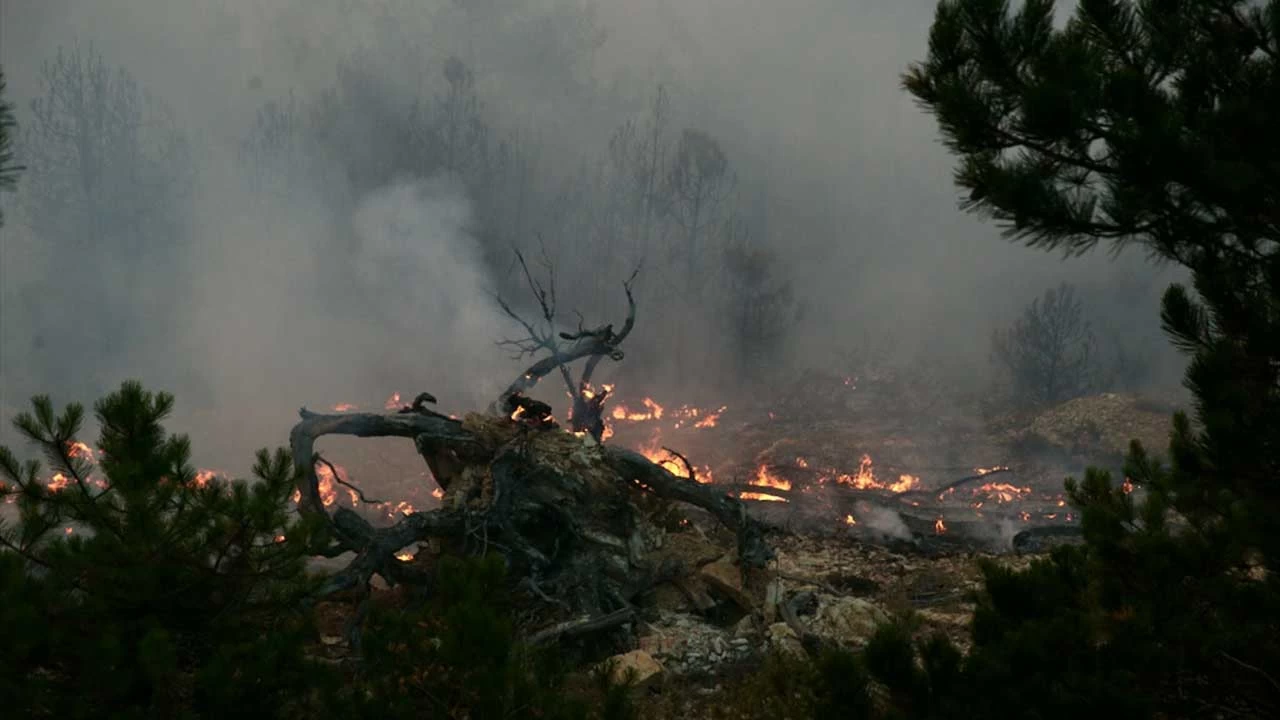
565	512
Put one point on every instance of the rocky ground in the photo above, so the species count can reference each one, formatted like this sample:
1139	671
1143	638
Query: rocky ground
699	635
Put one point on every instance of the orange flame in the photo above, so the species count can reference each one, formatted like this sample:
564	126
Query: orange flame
655	412
672	464
865	479
329	487
348	407
939	527
1003	492
203	477
77	449
766	479
393	402
710	420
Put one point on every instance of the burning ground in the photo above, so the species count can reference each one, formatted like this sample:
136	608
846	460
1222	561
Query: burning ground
838	461
872	508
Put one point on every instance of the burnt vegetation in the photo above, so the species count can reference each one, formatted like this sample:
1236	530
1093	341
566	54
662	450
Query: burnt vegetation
1048	354
133	584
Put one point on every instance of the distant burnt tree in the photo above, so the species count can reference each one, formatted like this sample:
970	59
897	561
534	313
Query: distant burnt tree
762	306
108	171
9	167
1048	352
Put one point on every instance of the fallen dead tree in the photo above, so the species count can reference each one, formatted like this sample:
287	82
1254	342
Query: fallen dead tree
573	519
569	515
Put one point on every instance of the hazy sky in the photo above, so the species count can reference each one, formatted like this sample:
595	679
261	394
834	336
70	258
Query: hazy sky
805	93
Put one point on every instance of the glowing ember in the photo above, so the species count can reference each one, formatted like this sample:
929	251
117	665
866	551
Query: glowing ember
77	449
398	508
279	538
58	483
1003	492
203	477
988	471
348	407
591	393
848	520
437	494
1127	486
517	413
405	556
710	420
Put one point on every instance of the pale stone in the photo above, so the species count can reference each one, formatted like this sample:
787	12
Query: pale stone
848	620
782	640
725	576
638	667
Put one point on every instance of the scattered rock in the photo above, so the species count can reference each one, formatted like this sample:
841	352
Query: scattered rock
772	597
849	621
658	645
695	592
638	667
782	639
725	576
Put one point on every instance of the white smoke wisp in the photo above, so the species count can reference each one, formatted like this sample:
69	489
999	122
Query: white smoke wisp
885	522
413	311
415	241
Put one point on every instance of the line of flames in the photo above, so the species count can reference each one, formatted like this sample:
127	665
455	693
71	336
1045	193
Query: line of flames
650	411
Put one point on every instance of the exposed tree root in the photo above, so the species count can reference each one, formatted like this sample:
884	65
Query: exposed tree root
561	510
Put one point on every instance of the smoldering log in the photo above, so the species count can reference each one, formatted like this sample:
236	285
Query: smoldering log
559	509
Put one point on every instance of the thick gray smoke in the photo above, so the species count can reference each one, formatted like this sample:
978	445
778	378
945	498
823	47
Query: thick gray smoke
324	214
269	334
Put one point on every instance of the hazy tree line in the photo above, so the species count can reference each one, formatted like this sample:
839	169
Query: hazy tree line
112	169
656	195
481	99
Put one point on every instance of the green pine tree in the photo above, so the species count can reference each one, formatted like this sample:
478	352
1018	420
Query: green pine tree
456	654
131	587
1155	124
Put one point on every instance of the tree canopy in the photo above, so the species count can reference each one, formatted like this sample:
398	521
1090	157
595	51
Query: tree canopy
1151	123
